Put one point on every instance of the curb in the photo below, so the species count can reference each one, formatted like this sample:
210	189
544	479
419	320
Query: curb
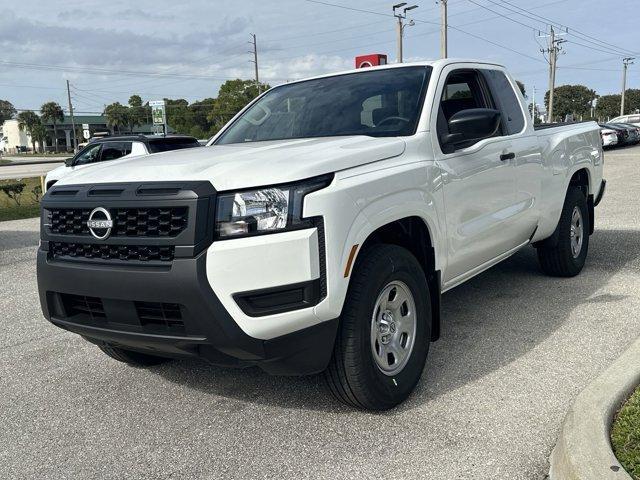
583	450
38	162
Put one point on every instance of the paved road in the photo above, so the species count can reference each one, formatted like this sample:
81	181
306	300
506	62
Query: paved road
26	171
515	350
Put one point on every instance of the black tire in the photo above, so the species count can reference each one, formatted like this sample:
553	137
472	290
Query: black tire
559	261
353	375
135	359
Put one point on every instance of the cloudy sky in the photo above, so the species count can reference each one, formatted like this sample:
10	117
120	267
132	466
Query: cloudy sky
160	48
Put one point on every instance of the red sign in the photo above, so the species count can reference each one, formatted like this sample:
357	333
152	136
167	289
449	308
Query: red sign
372	60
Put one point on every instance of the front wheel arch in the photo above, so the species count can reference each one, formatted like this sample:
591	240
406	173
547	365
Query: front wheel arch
412	234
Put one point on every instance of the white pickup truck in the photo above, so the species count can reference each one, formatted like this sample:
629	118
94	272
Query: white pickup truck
318	229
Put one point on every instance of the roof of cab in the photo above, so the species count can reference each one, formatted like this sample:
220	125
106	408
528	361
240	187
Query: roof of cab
425	63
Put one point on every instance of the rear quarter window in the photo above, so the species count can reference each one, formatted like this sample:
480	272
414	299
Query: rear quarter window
507	100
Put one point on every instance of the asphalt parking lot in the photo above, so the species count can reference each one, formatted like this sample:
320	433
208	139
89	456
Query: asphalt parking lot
516	348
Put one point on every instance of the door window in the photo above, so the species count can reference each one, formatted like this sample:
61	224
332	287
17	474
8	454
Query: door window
90	154
463	90
513	119
114	150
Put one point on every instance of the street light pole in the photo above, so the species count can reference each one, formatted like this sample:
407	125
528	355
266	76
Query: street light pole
625	65
401	16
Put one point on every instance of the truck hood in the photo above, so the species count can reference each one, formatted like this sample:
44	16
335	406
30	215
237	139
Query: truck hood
244	165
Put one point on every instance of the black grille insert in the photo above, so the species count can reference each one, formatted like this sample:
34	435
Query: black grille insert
83	305
166	316
140	253
128	222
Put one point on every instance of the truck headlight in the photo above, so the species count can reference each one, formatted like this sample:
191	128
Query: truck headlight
265	210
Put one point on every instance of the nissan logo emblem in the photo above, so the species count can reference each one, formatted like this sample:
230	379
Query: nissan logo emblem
100	223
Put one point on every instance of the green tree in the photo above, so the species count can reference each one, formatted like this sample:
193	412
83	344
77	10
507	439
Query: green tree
136	115
178	115
521	87
608	106
117	116
26	121
536	117
232	97
571	100
135	101
52	112
6	111
631	101
39	133
199	112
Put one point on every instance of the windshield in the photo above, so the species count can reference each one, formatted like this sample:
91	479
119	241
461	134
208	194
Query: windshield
378	103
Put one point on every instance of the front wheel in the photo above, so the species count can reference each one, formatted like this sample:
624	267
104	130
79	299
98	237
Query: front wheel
568	257
385	329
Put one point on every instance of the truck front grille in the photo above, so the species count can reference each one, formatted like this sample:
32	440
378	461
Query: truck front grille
142	253
128	222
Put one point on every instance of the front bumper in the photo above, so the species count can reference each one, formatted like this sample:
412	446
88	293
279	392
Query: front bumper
205	329
161	285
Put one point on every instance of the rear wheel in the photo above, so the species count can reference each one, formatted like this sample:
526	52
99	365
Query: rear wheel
136	359
384	334
568	257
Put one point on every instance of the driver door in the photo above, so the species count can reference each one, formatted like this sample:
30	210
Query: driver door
478	181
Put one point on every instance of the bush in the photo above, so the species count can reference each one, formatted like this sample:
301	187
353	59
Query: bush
13	190
36	192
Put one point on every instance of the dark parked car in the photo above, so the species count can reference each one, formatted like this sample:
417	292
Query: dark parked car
634	132
625	135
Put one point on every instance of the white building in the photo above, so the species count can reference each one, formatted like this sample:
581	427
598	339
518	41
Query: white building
12	139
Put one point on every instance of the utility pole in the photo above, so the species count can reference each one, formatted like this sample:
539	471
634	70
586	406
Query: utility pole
553	50
533	105
255	59
73	123
401	16
625	64
443	28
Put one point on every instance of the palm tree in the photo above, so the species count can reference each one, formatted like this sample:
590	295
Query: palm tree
26	121
52	112
117	115
39	134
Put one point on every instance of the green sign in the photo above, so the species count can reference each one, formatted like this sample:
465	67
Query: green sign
157	112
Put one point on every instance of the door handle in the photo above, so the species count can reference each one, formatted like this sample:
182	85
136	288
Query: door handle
507	156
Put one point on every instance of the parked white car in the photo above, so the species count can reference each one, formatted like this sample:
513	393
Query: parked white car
633	119
609	137
319	228
104	149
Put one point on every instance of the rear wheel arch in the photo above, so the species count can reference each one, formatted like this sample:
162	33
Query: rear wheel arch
580	179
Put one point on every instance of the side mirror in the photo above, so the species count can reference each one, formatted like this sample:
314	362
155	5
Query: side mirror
68	162
473	124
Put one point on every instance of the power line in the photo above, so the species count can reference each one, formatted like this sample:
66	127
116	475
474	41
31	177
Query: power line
101	71
503	15
568	29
